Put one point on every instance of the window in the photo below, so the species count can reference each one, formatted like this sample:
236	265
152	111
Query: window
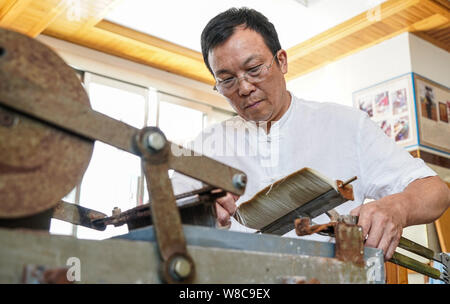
114	177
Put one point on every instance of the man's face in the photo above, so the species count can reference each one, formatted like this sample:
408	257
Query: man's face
245	49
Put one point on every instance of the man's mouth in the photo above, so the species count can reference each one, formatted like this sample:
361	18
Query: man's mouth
252	105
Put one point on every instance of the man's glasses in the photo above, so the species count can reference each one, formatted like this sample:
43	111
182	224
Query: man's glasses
255	75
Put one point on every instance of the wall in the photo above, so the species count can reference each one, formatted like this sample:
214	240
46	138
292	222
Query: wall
429	61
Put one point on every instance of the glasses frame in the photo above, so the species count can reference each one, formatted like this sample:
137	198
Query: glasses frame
245	76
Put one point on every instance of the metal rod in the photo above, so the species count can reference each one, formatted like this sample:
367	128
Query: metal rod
405	261
349	181
417	249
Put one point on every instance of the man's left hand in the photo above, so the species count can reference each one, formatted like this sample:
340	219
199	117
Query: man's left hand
382	222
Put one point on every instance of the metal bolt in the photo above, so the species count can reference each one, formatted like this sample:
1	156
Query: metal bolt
181	267
116	211
156	141
7	119
239	180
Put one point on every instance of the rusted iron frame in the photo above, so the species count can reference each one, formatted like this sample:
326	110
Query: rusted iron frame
87	123
64	113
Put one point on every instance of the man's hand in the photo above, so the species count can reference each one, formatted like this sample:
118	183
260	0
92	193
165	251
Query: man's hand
423	201
225	208
382	222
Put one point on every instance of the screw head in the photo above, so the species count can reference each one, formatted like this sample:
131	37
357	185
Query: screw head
156	141
239	180
116	211
181	267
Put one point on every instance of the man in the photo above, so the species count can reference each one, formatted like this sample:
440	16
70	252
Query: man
241	49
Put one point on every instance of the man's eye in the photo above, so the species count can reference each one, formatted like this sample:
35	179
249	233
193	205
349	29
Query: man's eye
255	70
228	80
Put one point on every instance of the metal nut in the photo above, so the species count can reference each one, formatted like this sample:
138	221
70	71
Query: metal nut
239	180
156	141
116	211
181	267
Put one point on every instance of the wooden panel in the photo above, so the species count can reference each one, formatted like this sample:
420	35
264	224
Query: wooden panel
431	158
443	229
395	274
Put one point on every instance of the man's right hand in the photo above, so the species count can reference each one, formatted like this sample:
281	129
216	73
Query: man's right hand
225	209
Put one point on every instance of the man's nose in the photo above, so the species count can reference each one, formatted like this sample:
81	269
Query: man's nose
245	87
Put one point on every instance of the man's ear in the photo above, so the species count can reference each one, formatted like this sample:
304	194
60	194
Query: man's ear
282	60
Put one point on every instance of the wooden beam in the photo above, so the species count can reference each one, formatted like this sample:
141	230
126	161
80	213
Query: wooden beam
149	40
429	23
5	6
45	21
97	16
12	12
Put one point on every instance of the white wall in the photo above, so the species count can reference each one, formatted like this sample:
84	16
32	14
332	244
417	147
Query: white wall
429	61
338	80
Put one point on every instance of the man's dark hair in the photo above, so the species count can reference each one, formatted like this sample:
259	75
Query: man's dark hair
221	27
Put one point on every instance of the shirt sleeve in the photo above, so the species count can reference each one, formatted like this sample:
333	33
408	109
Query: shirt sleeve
385	167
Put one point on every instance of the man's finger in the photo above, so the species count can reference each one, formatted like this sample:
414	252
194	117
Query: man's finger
384	243
228	203
391	250
223	217
374	236
366	225
355	212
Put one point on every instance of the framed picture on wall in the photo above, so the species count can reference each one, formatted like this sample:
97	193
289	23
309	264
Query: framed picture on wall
390	104
433	113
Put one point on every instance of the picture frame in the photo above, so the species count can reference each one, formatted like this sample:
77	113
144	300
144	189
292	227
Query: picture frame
433	114
390	104
412	110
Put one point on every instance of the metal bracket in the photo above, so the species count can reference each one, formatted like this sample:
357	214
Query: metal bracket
178	266
349	239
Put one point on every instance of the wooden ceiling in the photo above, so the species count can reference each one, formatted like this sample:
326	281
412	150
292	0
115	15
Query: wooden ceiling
84	25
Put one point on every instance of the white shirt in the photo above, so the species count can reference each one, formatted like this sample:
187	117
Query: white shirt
338	141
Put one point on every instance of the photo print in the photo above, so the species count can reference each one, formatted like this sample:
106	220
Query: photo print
399	101
366	105
427	102
382	103
385	125
401	128
443	113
